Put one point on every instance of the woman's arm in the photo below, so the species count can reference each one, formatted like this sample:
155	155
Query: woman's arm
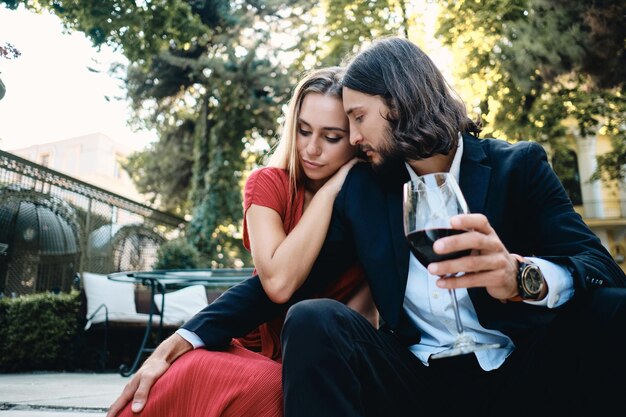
282	261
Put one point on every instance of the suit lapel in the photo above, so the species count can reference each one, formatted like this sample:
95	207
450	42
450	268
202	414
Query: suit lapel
474	176
398	240
474	181
400	244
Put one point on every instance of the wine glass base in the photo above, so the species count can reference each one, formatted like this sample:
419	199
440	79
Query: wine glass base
464	349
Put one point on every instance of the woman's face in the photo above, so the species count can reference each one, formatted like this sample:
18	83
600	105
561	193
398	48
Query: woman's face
323	138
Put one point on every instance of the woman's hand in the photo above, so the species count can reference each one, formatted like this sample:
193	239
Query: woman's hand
335	182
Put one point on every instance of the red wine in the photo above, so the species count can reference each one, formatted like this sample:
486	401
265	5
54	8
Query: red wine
421	243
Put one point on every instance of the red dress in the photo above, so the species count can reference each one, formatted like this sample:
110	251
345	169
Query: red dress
240	382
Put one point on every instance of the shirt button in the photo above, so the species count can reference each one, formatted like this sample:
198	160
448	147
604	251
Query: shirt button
556	298
436	295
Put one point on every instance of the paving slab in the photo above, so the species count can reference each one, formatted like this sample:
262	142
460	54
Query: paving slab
50	413
50	394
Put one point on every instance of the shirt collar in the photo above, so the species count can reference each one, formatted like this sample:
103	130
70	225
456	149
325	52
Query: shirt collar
455	168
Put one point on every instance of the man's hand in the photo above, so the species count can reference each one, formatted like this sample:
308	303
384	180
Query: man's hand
140	384
490	265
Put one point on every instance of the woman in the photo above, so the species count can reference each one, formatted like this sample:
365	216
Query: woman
287	207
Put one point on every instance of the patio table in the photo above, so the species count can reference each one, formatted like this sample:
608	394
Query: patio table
162	281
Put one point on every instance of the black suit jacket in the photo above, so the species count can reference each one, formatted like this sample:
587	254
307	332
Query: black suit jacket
513	185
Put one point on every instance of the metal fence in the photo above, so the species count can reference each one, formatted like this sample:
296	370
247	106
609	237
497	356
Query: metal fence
53	225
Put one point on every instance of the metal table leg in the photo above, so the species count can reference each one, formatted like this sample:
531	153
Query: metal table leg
143	349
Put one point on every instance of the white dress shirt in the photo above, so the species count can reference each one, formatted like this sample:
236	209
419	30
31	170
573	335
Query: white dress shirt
430	309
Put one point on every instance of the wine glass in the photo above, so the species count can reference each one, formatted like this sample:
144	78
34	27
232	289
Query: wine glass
429	203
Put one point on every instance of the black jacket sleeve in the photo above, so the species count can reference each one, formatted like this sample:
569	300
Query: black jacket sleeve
559	233
245	306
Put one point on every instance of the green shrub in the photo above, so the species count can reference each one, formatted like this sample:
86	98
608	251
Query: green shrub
177	254
39	332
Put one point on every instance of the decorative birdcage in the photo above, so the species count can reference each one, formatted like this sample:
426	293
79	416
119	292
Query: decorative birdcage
39	242
116	248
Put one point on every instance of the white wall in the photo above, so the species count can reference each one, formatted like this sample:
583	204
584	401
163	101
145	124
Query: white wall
91	158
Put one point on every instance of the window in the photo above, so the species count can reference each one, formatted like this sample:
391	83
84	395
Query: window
117	168
44	159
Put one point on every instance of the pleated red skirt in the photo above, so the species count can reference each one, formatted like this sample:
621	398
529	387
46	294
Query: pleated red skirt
232	383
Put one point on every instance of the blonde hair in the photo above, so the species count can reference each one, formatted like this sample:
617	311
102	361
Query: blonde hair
325	81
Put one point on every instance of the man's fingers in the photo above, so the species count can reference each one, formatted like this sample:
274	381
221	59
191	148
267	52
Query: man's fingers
117	406
485	279
124	398
493	281
136	390
467	240
474	221
141	395
469	264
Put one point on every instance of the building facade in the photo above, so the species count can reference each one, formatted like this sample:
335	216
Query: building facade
94	158
601	204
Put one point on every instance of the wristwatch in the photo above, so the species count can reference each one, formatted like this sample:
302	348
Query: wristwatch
530	279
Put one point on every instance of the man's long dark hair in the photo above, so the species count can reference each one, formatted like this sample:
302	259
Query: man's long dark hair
426	115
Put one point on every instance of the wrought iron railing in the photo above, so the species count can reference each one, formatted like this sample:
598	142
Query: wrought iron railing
114	233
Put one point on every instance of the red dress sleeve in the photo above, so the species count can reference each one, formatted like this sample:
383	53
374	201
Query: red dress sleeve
268	187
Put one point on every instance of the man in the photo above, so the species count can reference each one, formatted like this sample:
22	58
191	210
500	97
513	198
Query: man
560	340
556	341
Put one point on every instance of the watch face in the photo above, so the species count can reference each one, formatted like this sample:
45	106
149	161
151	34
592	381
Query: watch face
532	280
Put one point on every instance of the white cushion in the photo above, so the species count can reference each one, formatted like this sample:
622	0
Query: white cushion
119	297
183	304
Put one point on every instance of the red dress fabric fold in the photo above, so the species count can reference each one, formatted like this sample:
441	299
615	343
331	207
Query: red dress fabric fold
202	383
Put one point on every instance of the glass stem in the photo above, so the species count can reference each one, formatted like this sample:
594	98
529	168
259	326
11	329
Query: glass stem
455	308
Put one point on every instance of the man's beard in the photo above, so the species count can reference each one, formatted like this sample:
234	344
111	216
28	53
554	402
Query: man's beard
390	157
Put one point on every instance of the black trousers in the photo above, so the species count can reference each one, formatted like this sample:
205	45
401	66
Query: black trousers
336	364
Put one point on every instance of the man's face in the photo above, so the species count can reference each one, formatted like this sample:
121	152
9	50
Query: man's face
369	127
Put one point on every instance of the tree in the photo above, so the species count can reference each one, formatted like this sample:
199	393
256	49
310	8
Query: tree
233	88
163	170
337	28
142	29
7	51
536	64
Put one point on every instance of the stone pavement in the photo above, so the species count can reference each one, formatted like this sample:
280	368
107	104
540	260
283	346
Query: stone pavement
48	394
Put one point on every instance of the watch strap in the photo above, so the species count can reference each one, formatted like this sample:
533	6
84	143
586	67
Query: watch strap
520	261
